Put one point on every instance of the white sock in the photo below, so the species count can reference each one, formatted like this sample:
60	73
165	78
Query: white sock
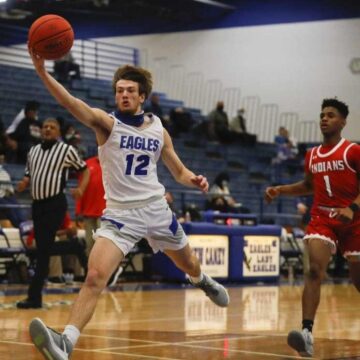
197	279
72	333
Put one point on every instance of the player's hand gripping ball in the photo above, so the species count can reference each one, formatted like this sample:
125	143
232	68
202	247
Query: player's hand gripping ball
51	37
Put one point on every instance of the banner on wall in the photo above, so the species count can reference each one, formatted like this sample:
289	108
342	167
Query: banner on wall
213	253
261	255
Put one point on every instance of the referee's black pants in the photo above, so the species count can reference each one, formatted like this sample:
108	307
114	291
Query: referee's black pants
48	216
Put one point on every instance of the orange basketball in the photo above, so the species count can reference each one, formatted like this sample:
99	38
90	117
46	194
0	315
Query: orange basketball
51	37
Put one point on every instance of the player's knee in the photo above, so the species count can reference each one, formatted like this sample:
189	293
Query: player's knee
316	273
188	264
192	264
94	279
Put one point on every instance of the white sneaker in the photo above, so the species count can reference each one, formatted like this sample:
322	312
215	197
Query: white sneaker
302	342
50	343
215	291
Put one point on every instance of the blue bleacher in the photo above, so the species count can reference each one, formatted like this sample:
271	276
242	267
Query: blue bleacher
250	169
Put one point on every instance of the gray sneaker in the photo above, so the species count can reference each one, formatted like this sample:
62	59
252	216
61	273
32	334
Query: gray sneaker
216	292
51	344
302	342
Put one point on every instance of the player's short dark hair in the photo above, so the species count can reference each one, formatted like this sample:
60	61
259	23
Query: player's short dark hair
337	104
137	74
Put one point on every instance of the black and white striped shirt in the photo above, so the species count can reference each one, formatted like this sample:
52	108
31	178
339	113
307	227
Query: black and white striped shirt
48	168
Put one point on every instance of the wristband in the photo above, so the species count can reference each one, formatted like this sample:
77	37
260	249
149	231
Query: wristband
354	207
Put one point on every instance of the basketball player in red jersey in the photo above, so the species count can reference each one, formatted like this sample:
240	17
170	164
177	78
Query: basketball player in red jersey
332	172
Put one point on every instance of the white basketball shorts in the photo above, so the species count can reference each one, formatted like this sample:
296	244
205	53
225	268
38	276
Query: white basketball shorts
154	222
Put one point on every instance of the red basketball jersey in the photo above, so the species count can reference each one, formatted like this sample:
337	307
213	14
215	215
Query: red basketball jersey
335	170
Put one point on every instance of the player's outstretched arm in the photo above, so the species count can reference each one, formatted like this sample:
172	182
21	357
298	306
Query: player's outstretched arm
303	187
91	117
178	170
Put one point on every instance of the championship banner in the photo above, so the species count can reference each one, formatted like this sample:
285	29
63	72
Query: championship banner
213	253
261	255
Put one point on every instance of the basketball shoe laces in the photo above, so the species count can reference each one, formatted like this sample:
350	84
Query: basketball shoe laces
61	341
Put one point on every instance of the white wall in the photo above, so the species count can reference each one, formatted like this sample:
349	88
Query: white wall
292	65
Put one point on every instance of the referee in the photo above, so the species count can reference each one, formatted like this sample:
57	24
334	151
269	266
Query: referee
46	172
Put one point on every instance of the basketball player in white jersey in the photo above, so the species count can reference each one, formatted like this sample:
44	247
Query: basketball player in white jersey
130	144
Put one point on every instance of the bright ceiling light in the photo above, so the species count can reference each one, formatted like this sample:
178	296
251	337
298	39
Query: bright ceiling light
216	3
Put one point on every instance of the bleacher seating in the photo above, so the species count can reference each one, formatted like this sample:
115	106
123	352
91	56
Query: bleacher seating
250	169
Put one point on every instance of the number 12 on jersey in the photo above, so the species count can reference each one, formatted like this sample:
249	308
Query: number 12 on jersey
327	185
140	166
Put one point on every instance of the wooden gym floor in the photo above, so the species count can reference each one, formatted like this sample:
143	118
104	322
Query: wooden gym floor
133	322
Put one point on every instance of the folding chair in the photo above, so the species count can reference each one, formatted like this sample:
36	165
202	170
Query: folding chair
291	253
9	254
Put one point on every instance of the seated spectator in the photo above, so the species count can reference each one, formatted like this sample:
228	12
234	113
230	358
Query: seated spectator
180	120
286	145
219	127
238	125
27	134
8	201
287	154
220	198
33	105
219	124
66	68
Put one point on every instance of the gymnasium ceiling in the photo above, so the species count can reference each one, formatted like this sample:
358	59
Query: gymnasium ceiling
180	11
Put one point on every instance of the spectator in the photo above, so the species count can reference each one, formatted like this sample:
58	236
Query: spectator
27	134
286	145
218	126
33	105
286	157
8	202
91	204
238	125
220	198
47	180
66	68
180	120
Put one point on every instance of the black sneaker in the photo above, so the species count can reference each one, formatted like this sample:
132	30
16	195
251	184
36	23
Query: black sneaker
28	304
51	344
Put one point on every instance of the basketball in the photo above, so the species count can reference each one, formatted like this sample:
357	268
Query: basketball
51	37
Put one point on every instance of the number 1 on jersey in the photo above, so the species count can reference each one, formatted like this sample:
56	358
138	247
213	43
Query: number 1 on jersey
327	185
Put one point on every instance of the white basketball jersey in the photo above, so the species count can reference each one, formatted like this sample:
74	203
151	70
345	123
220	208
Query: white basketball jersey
128	161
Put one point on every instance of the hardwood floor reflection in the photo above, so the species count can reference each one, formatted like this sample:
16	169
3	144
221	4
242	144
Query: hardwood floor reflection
183	324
